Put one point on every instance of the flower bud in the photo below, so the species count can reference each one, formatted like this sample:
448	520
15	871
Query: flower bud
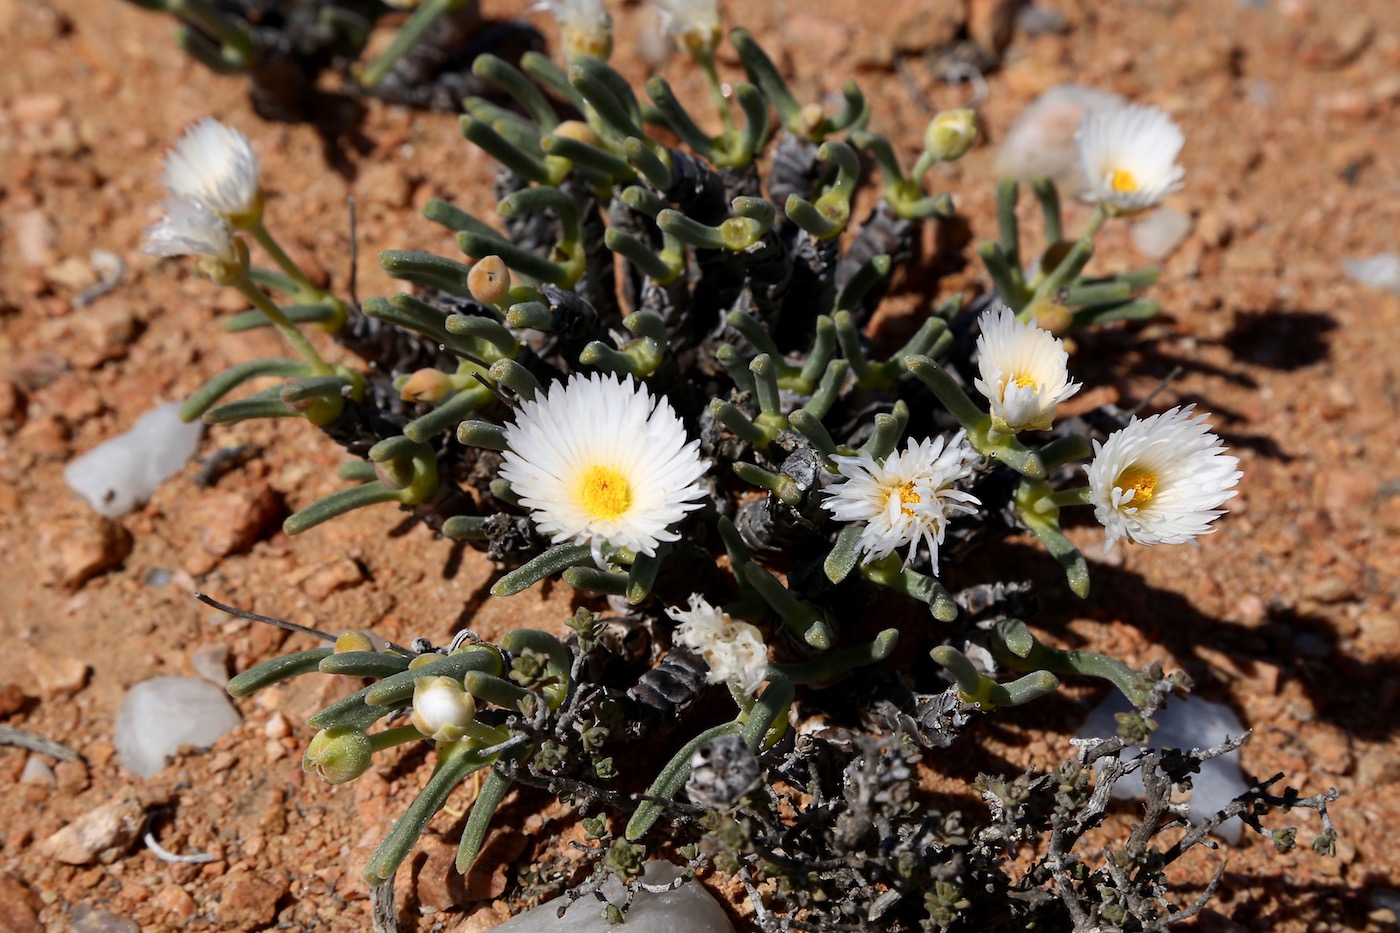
442	709
426	385
354	641
578	131
338	754
489	280
950	134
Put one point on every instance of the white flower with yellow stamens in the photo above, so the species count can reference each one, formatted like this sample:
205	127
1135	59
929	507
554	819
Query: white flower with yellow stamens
1128	157
188	228
694	24
733	649
1161	480
1023	370
908	498
603	463
584	25
215	165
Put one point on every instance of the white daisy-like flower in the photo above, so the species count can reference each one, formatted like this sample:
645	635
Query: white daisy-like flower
604	463
1161	480
733	649
442	709
215	165
908	498
1128	156
1023	369
188	228
584	25
694	24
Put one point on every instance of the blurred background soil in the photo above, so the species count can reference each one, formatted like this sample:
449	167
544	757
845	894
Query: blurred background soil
1291	110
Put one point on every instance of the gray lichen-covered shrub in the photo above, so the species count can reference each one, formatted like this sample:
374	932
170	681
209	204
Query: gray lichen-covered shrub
656	380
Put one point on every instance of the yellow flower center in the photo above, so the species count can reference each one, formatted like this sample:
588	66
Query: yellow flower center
1123	182
605	492
907	497
1140	483
1025	382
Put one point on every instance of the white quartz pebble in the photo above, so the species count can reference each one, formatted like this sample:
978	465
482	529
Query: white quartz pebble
687	909
160	715
121	473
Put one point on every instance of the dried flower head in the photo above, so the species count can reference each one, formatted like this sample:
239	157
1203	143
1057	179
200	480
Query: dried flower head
906	499
734	650
215	165
602	462
189	228
584	25
694	24
1128	156
1023	371
1161	480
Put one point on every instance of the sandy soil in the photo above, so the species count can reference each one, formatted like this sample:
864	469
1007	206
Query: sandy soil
1292	114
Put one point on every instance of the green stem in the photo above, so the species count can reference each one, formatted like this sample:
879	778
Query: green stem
279	320
488	799
308	292
418	24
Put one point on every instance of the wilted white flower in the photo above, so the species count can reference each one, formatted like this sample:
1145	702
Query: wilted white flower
694	24
1161	480
603	462
188	228
906	499
442	708
584	25
1128	156
1023	369
215	165
733	649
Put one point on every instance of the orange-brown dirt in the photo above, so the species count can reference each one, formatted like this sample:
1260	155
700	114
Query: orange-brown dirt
1292	115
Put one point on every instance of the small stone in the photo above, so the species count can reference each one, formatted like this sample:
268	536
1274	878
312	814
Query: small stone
1346	490
1329	590
1381	270
689	907
58	676
235	519
89	920
175	901
34	237
437	882
1158	234
100	835
37	772
277	727
1377	766
161	715
384	183
19	906
990	24
11	700
340	574
81	547
211	663
125	470
37	109
1251	259
247	902
1331	750
73	777
102	333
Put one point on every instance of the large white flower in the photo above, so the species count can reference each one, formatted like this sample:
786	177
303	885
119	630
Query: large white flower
602	462
1161	480
906	499
188	228
694	24
1128	156
1024	371
584	25
215	165
733	649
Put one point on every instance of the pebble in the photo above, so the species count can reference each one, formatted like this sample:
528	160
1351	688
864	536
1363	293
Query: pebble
340	574
34	236
161	715
36	771
100	835
211	663
79	548
1381	270
1041	140
248	902
58	676
1158	234
19	906
1193	723
687	909
175	901
118	474
88	920
234	520
11	700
